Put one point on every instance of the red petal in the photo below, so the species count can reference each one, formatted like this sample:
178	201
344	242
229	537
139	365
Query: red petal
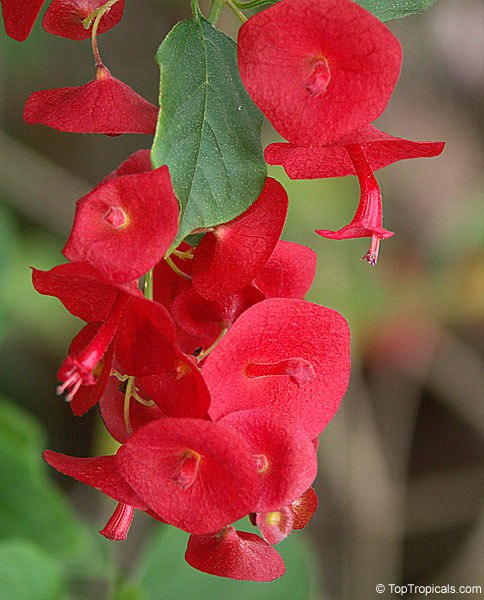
281	54
304	508
125	226
289	272
138	162
19	17
65	17
271	334
100	472
84	291
228	259
146	335
206	318
234	554
196	475
105	105
289	460
332	160
177	388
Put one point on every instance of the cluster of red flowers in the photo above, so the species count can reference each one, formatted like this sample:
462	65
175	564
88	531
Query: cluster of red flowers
218	379
321	72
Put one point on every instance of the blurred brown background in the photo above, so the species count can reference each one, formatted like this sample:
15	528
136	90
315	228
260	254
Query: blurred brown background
402	464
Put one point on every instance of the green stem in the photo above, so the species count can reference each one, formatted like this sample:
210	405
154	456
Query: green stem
148	285
215	11
236	10
196	9
251	4
97	15
127	400
206	352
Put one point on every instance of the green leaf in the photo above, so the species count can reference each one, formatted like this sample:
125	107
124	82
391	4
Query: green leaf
208	129
27	572
31	508
388	10
163	573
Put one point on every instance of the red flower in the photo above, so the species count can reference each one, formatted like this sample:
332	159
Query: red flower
318	70
194	474
285	456
228	259
19	17
102	473
125	226
234	554
88	392
286	354
65	17
104	105
359	153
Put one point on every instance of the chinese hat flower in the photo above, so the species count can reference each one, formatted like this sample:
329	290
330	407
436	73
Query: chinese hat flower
358	153
282	353
104	105
318	68
124	226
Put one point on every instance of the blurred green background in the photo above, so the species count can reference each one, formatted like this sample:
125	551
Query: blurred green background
401	465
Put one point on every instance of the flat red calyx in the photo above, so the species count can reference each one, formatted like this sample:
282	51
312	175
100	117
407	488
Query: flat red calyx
229	258
288	273
255	364
82	289
65	17
318	70
234	554
100	472
125	226
332	160
104	105
194	474
286	456
19	17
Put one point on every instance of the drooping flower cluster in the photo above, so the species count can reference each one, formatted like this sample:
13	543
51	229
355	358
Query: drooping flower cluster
322	72
216	387
210	369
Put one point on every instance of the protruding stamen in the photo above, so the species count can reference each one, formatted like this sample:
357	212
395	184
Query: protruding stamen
371	255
